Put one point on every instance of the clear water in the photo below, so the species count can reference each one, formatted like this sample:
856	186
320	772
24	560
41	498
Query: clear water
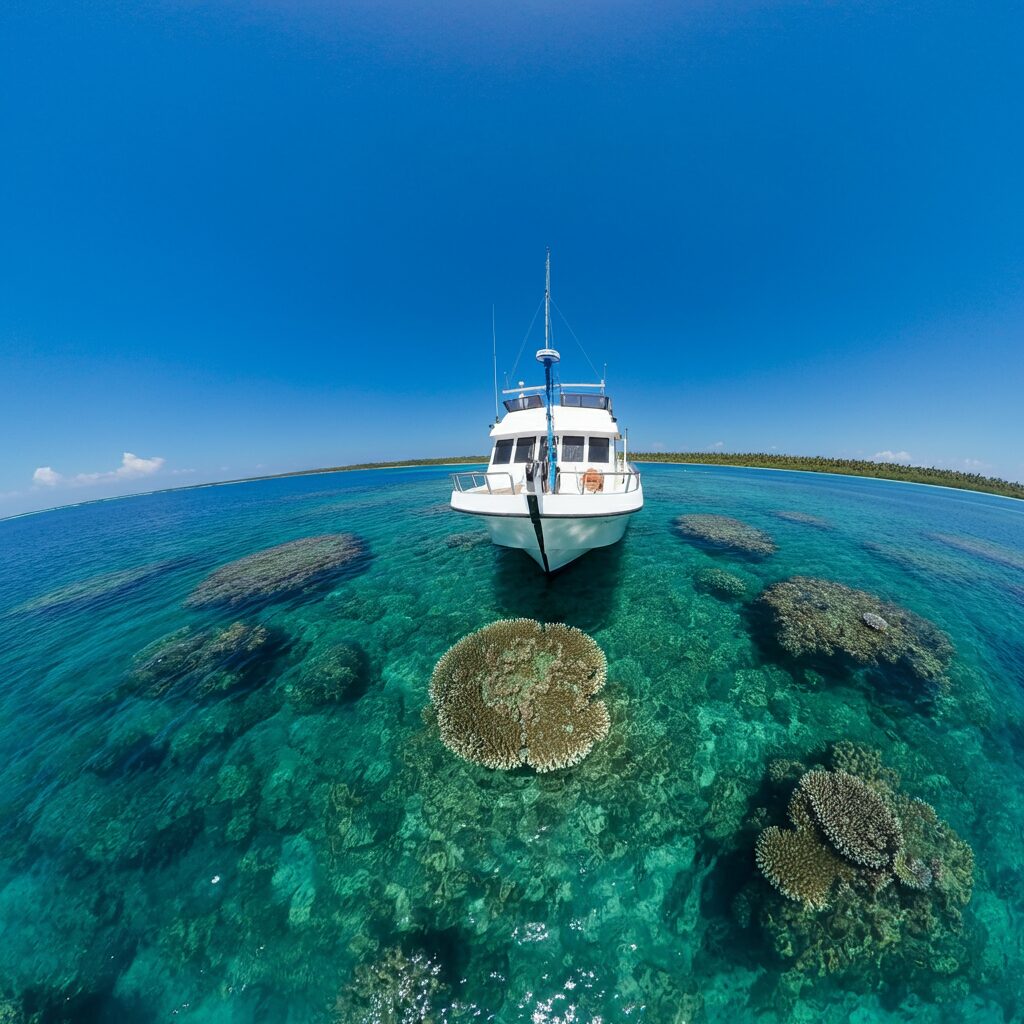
231	860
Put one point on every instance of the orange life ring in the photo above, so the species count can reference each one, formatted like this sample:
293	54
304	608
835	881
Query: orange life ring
593	481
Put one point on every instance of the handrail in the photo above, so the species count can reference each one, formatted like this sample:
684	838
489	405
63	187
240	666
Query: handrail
477	479
632	478
476	475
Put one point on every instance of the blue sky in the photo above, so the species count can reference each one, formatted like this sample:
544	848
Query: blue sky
245	237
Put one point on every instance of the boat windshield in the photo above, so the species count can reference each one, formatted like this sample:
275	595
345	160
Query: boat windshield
577	401
524	402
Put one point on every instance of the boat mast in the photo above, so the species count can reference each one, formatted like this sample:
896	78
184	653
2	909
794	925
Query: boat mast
548	356
547	300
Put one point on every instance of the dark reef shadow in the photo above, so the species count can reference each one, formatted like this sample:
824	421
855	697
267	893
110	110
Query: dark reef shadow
735	877
581	594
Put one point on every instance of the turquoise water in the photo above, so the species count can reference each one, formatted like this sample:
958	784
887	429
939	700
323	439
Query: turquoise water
236	857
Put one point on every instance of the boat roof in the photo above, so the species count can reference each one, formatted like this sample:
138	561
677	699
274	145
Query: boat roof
565	420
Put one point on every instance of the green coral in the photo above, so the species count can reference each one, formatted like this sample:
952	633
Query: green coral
204	663
518	692
816	617
335	674
717	581
278	572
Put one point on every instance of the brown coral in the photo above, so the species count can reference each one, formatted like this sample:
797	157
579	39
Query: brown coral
798	864
853	818
518	692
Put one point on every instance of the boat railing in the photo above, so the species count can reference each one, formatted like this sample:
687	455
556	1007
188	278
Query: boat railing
630	477
613	481
475	480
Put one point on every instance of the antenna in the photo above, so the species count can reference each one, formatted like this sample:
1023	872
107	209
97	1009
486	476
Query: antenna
549	357
494	354
547	300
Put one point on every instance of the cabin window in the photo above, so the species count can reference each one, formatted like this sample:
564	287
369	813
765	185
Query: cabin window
525	402
503	452
575	401
543	447
599	449
524	449
572	448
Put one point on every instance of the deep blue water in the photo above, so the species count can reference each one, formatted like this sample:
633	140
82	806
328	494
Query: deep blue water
233	855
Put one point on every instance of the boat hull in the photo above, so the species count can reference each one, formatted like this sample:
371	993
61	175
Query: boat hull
564	539
553	529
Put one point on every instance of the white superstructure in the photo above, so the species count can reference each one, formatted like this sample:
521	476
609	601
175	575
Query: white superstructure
557	483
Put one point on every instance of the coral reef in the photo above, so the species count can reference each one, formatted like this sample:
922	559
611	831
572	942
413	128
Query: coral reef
519	693
278	572
717	581
725	532
798	863
395	989
338	673
852	838
804	518
95	590
980	549
821	617
205	663
467	541
853	818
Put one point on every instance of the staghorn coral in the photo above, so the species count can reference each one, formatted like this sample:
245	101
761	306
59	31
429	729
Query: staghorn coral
821	617
720	583
853	818
205	662
278	572
723	531
518	692
336	674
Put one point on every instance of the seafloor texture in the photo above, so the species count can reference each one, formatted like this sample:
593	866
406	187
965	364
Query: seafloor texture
241	814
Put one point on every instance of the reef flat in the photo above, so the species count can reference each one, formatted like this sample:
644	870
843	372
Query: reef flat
793	759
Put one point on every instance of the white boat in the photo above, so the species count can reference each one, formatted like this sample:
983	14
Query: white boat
557	483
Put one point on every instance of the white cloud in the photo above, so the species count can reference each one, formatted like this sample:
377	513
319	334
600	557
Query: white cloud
132	467
888	456
46	476
717	446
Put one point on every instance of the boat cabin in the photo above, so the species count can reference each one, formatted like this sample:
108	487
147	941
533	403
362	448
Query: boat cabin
589	454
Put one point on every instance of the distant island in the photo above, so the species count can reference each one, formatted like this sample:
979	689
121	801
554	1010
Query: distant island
845	467
749	460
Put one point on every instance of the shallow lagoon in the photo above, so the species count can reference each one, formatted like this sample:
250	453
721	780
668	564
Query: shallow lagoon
237	857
